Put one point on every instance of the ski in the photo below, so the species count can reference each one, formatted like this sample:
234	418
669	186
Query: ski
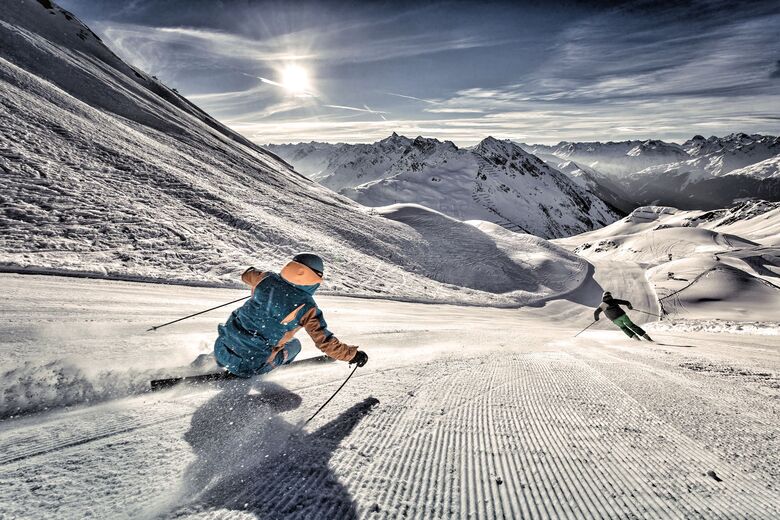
224	375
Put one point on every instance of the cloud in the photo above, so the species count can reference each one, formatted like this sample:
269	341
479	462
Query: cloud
635	71
776	73
622	55
152	48
453	110
617	75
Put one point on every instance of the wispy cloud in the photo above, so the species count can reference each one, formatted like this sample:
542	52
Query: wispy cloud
592	72
142	45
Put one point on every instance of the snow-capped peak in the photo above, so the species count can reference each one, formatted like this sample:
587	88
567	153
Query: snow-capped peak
496	180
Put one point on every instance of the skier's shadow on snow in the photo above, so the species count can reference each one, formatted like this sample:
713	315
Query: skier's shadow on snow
250	459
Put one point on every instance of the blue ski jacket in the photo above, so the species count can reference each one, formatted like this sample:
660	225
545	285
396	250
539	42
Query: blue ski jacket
280	305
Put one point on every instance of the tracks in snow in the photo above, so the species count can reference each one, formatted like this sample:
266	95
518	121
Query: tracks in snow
520	435
540	436
82	426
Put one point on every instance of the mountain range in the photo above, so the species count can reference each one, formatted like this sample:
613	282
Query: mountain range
495	180
703	173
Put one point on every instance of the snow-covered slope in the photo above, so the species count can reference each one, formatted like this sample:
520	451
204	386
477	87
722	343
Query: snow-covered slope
594	181
766	169
495	181
340	166
718	173
487	257
461	412
107	172
703	264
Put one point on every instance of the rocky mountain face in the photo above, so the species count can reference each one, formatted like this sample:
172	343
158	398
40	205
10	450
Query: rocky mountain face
495	180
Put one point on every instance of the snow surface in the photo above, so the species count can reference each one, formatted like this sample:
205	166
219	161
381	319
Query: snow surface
766	169
496	181
703	265
108	173
461	411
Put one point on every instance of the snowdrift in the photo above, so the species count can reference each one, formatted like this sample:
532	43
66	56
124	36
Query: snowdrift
108	173
650	233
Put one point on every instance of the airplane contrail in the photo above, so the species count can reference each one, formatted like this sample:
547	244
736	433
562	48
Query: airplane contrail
414	98
375	112
356	109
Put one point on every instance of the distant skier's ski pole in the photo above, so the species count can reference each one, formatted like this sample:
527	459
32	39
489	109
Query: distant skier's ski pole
331	397
650	313
196	314
586	328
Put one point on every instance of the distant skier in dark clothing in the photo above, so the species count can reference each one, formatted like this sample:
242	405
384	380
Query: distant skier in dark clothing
611	307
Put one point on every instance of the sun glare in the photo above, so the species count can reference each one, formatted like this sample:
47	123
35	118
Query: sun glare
295	79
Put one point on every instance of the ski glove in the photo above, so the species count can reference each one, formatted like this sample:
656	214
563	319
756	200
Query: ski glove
360	358
630	307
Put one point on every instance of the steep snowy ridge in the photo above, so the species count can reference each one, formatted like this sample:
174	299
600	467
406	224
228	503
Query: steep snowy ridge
716	157
495	181
766	169
107	172
750	146
594	181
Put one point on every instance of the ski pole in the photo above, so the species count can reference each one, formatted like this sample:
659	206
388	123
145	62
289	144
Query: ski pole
331	397
645	312
196	314
586	328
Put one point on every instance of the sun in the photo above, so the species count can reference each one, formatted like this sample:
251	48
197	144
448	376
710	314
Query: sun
295	79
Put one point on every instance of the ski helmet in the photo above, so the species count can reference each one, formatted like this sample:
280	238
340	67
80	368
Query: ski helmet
312	261
607	295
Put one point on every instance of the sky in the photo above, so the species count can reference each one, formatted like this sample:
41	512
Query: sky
535	72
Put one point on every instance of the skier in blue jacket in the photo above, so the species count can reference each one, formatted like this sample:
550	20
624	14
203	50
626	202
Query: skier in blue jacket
259	335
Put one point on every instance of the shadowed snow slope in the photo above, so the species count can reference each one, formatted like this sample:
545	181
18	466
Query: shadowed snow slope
496	181
107	172
488	257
